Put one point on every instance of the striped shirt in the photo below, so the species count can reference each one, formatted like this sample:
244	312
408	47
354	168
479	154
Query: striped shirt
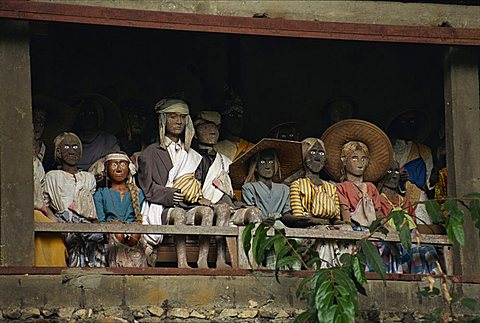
319	201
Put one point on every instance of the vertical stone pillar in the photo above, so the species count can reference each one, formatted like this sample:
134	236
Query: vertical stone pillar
462	121
16	133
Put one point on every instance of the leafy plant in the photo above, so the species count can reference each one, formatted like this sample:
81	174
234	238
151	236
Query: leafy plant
331	293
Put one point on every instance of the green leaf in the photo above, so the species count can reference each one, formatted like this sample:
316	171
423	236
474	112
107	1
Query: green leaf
267	244
346	259
383	230
304	317
287	261
342	279
405	237
359	270
453	211
434	210
398	218
375	224
258	240
458	232
247	238
347	309
328	315
473	196
278	245
469	303
373	258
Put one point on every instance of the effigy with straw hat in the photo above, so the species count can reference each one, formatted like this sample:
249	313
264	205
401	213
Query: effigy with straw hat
378	143
289	154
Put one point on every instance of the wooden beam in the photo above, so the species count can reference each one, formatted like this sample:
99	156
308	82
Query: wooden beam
135	228
222	231
56	12
462	129
16	136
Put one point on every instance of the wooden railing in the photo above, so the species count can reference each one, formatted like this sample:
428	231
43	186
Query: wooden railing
233	236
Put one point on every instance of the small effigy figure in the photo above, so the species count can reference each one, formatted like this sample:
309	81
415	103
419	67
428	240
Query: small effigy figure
421	259
39	119
360	154
315	202
120	201
50	250
287	131
407	131
216	187
233	145
262	186
69	193
90	120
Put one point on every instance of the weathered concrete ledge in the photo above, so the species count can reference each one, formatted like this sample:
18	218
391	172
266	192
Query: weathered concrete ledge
99	294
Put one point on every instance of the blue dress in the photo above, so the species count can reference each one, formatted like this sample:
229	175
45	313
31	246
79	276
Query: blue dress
110	207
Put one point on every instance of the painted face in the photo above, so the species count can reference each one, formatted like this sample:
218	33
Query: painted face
406	126
392	178
88	116
117	170
137	123
233	122
288	133
207	133
340	110
315	158
266	164
38	124
175	123
356	163
70	151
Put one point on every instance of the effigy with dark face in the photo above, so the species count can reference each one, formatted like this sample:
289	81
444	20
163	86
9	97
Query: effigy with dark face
69	194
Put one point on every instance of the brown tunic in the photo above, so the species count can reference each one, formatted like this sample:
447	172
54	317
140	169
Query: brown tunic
154	164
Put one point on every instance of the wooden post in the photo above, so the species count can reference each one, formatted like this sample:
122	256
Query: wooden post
462	121
16	135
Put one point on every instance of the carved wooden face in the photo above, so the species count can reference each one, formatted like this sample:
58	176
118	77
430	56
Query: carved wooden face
266	164
233	122
175	123
207	133
406	126
392	178
89	116
356	163
315	158
70	151
117	170
38	125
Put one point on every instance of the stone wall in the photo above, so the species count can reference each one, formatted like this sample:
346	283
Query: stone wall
101	295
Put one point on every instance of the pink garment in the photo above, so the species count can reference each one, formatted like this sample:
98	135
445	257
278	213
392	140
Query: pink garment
349	195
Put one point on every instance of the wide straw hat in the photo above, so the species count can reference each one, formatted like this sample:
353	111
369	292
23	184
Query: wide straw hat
378	143
289	154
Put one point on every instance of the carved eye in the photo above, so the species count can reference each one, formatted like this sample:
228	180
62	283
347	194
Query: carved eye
66	147
262	162
270	162
321	153
389	171
75	147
